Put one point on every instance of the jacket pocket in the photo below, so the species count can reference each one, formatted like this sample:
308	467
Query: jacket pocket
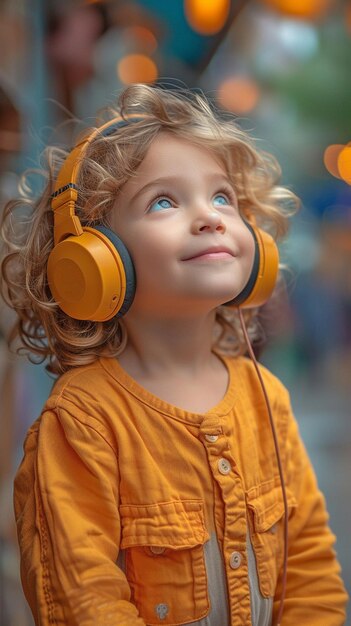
266	511
165	564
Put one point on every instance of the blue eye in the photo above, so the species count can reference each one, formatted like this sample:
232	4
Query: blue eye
220	200
160	204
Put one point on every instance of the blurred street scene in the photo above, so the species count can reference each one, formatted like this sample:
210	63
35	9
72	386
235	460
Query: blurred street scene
283	68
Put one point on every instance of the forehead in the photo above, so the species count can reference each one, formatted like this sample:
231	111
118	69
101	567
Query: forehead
169	154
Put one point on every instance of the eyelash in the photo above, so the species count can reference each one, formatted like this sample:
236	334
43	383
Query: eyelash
229	192
160	196
226	191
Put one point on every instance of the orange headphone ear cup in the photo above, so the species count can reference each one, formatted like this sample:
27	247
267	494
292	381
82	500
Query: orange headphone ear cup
264	271
92	277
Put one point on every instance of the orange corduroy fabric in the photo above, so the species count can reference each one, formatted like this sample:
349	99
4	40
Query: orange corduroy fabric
110	467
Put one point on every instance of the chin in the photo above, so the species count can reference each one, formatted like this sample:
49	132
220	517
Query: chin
224	292
215	298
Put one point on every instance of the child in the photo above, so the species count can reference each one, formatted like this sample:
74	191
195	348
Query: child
151	491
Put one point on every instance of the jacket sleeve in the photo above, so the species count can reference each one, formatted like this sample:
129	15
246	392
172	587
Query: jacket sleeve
66	495
315	594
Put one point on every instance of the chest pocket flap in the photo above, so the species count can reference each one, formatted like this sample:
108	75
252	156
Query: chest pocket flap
266	510
268	506
164	560
176	525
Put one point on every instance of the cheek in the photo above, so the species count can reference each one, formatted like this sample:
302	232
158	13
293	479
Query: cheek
149	254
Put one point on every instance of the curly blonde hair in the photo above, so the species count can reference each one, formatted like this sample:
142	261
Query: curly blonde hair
45	331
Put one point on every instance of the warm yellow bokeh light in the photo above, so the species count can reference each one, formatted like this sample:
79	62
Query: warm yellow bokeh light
137	68
300	8
239	95
344	164
142	37
330	158
206	17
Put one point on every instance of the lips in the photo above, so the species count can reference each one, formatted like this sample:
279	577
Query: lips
212	252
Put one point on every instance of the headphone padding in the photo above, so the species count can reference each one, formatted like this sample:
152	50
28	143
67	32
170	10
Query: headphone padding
264	271
128	267
245	293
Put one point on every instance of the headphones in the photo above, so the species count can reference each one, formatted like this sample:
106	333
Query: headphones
90	271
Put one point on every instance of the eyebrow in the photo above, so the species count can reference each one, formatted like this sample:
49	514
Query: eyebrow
166	180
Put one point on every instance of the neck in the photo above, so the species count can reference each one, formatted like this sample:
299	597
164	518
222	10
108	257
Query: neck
157	346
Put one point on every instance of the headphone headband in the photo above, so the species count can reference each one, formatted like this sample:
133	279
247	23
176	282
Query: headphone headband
65	193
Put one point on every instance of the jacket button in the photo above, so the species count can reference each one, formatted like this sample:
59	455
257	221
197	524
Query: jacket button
235	560
157	549
224	466
161	610
211	438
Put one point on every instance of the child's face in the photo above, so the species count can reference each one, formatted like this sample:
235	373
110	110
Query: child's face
179	219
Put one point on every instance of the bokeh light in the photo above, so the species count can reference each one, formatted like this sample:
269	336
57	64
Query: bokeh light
207	17
344	164
305	9
239	95
330	158
142	37
299	39
137	68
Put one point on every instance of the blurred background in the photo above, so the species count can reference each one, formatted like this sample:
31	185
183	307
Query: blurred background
283	68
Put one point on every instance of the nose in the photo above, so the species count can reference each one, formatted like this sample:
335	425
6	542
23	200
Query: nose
209	220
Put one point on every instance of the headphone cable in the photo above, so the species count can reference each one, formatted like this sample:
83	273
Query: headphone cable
280	468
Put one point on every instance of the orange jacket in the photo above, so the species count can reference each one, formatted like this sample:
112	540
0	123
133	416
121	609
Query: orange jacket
109	466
